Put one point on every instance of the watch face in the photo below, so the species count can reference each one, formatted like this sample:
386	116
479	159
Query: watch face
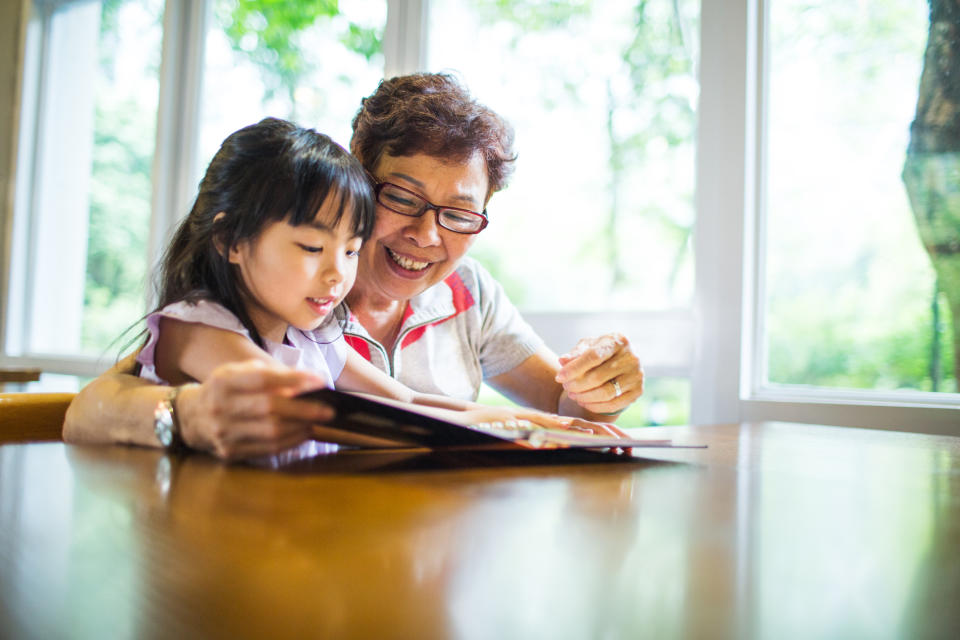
163	425
165	435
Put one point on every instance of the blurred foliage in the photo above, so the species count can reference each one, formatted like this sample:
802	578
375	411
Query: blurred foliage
270	32
366	41
848	323
114	295
533	15
932	168
120	192
650	103
660	57
843	351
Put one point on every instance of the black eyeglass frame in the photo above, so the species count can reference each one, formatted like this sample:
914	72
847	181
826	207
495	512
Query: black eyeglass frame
427	205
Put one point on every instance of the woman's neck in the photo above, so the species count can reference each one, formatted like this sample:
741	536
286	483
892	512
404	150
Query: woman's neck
380	316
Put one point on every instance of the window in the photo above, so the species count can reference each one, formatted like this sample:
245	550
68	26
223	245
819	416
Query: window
599	213
851	297
802	212
86	149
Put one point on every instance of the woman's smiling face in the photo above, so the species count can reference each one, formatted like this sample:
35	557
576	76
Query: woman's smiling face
406	255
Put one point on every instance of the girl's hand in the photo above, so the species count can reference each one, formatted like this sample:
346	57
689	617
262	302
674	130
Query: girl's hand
246	409
602	375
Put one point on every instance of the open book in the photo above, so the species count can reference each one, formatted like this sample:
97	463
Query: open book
361	421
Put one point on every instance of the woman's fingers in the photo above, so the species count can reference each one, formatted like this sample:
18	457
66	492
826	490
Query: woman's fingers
551	421
235	437
588	354
621	366
619	392
602	375
600	428
247	408
248	444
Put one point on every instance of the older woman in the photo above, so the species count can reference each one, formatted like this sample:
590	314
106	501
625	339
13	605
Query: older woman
420	310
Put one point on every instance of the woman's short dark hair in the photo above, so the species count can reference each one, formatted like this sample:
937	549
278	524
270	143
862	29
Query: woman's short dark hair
433	114
267	172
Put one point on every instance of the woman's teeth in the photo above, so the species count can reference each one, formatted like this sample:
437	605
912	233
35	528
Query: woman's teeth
407	263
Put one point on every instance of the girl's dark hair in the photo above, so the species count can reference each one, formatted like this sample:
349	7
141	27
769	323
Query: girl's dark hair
267	172
432	113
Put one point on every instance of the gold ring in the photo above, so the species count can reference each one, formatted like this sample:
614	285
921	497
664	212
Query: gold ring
617	391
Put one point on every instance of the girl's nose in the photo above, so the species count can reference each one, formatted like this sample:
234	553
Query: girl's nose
335	270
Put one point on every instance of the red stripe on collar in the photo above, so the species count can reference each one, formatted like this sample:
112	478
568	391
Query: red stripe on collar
462	300
414	335
359	345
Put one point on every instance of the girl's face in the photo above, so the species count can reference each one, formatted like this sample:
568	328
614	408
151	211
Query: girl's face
297	275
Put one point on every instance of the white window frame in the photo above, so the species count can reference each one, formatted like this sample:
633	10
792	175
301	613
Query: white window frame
717	344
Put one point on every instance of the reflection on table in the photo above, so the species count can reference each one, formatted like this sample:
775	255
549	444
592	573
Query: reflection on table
774	531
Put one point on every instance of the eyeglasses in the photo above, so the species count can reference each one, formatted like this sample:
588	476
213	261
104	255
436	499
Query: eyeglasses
407	203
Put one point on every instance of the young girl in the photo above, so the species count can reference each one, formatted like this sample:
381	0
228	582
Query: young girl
268	252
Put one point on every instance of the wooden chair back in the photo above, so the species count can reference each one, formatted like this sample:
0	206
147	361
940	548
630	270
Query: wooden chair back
31	417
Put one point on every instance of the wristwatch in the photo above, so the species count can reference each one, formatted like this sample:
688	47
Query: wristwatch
165	424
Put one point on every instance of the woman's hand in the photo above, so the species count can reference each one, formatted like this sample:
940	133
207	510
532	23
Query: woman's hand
485	414
602	374
247	409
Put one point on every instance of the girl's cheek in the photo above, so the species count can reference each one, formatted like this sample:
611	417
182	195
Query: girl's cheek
351	275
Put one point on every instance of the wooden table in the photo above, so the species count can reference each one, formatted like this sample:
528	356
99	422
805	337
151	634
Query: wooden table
774	531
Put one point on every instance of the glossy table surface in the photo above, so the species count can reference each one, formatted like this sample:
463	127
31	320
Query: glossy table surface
774	531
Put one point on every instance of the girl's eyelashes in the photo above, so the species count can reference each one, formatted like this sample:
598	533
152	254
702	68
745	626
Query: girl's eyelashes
353	247
353	253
